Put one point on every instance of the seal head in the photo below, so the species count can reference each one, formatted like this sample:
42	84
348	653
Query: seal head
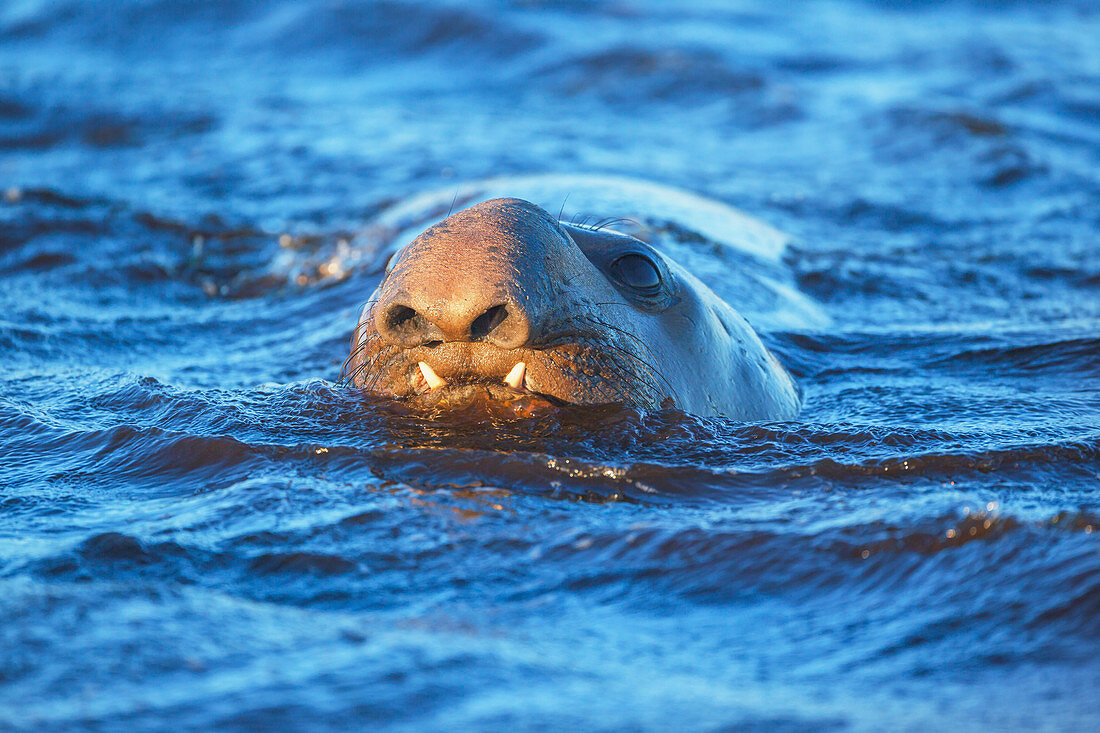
502	299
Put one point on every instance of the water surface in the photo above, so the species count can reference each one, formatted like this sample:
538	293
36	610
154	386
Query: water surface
201	529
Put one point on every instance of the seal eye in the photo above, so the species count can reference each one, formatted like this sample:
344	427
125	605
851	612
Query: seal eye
638	272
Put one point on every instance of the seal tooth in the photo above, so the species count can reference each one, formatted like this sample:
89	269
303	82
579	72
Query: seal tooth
515	377
434	380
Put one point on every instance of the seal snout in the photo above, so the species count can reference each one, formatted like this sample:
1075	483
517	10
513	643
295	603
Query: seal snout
482	301
479	275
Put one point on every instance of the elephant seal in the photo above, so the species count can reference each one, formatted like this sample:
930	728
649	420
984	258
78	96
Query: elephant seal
502	299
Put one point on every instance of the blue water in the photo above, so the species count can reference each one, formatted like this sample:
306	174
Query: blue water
201	529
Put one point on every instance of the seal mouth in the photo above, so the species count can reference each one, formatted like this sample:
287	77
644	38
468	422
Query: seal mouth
433	391
514	379
449	373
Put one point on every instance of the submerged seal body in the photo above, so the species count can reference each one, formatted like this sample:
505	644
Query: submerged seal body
505	299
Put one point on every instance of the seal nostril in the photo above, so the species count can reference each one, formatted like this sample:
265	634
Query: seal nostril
405	321
484	324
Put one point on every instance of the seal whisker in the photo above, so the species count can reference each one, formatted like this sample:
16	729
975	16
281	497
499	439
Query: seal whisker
649	368
367	367
635	339
349	378
355	373
370	342
587	329
611	221
636	360
344	367
562	209
354	353
359	343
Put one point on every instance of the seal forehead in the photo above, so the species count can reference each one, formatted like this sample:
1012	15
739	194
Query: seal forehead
495	220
